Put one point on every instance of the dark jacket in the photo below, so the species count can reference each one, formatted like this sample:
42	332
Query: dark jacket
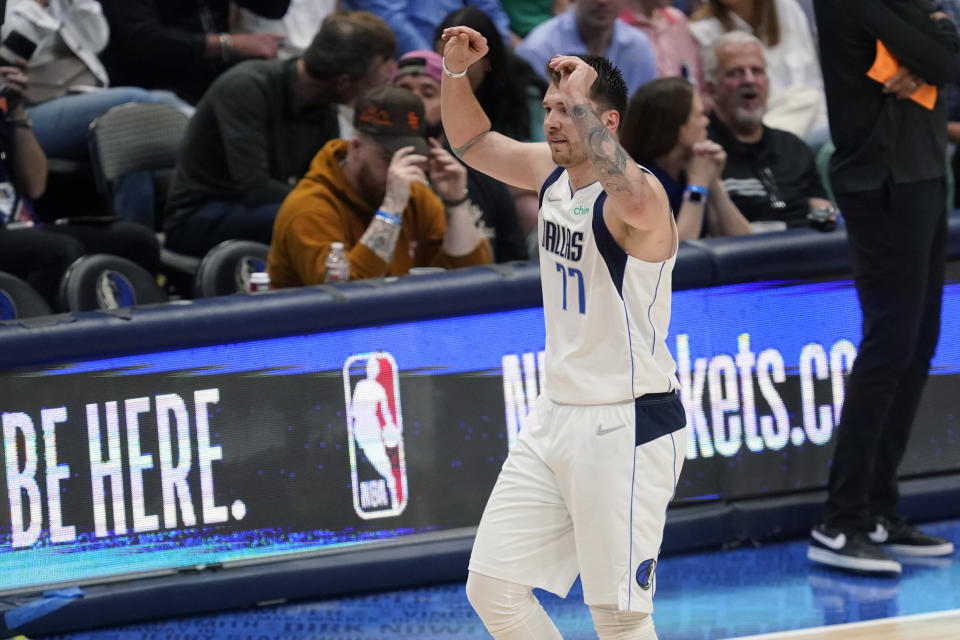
880	138
772	179
160	44
250	139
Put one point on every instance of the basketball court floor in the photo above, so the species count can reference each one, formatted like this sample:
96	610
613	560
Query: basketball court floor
764	592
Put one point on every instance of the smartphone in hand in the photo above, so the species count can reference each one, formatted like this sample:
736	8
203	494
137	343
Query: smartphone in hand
16	45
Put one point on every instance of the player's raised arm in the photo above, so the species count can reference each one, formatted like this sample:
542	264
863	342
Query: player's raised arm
524	165
633	196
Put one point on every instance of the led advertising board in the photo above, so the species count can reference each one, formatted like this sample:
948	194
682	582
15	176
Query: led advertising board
266	448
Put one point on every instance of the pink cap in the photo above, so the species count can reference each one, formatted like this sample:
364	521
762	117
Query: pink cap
420	63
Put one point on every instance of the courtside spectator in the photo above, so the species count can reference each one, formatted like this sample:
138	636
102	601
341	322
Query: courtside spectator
770	173
260	124
181	45
489	200
668	30
797	103
370	193
34	250
525	15
414	21
665	130
297	26
592	27
70	88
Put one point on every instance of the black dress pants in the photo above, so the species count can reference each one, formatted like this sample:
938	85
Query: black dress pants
897	238
201	230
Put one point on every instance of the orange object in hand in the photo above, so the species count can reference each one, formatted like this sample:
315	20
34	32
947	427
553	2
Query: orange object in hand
885	65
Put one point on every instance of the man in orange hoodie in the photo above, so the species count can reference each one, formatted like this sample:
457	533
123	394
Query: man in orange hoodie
371	193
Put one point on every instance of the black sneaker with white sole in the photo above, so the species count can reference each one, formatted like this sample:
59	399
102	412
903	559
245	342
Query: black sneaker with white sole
849	550
901	538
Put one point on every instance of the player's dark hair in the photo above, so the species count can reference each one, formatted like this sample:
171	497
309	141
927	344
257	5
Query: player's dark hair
609	90
510	81
655	115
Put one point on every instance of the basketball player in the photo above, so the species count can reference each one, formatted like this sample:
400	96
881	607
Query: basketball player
586	486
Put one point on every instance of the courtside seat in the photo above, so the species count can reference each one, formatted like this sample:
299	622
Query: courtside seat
136	137
802	253
19	300
694	267
227	267
132	138
105	282
179	269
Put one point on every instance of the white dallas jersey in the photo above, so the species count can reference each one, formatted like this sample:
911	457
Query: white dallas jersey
606	312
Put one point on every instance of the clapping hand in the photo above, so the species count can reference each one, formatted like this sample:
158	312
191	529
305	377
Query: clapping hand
706	164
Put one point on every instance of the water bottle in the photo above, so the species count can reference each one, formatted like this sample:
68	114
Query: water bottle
259	281
337	264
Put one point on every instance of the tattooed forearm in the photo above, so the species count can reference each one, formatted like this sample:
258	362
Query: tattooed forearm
605	153
381	238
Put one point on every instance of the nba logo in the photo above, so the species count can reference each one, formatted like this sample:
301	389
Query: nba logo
378	468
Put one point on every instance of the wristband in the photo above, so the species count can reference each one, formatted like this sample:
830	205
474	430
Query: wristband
21	123
695	193
443	64
389	218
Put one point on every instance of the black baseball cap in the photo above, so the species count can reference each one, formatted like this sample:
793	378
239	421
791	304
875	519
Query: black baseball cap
392	116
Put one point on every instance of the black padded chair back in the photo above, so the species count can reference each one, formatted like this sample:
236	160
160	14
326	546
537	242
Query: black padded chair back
132	137
141	136
138	136
19	300
104	282
227	267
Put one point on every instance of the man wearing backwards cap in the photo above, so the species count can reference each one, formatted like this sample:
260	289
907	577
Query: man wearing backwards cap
419	71
370	193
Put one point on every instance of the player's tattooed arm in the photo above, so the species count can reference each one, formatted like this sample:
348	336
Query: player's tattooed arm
381	238
606	155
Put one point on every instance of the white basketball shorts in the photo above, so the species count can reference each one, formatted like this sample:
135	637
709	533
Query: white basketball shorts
585	490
